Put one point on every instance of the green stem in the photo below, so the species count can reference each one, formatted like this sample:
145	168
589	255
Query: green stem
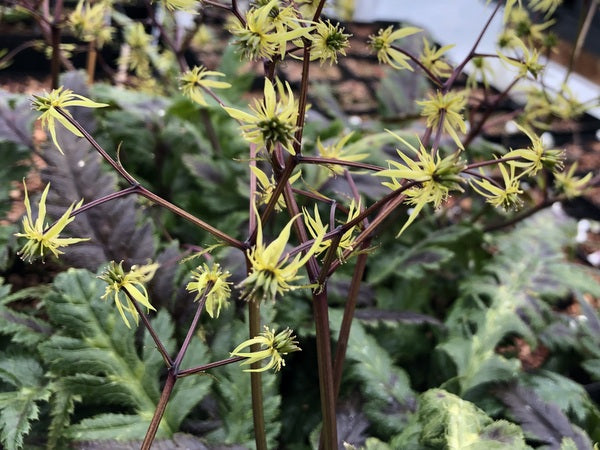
434	79
339	162
55	32
344	335
491	108
160	409
159	345
457	71
258	414
205	367
326	385
193	219
172	374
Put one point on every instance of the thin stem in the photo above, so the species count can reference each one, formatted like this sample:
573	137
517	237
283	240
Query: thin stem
325	369
192	328
55	31
160	409
516	219
107	198
303	97
159	345
339	162
490	162
91	62
15	51
433	77
491	108
344	334
482	177
254	326
318	10
172	375
193	219
150	195
212	365
582	31
117	166
258	414
458	69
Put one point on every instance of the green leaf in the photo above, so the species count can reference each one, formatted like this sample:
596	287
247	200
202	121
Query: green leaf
120	427
527	270
385	387
20	407
96	357
62	406
592	366
450	422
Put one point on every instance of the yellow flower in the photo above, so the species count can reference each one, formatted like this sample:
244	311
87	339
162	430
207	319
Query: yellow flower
274	346
132	282
432	59
446	108
188	6
525	29
565	105
138	58
273	121
536	157
260	37
382	45
39	236
89	23
436	177
528	63
316	228
59	98
328	41
194	81
545	6
219	292
271	273
571	185
267	187
338	151
507	196
480	71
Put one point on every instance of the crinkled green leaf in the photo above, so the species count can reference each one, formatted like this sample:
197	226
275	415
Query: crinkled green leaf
388	396
447	421
20	407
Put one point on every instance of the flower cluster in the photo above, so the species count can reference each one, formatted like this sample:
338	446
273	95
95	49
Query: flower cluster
433	177
274	121
125	287
212	282
536	157
40	236
266	187
445	110
60	98
274	347
383	45
506	195
431	57
328	41
339	150
271	273
89	22
267	30
316	228
194	82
